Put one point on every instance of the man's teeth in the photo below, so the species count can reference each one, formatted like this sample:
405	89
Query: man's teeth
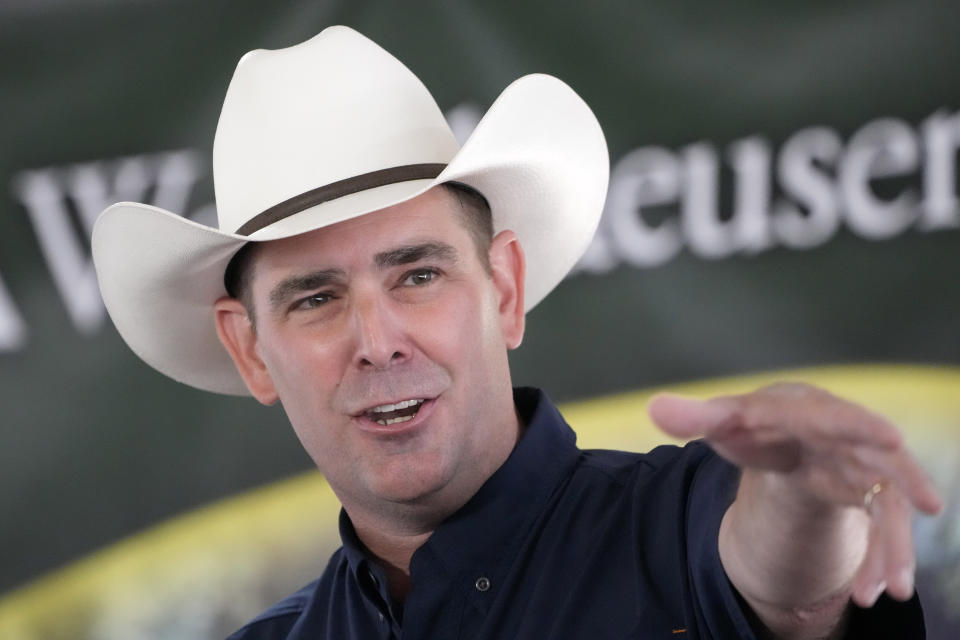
403	404
388	412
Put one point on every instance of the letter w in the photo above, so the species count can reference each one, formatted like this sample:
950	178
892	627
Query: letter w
63	204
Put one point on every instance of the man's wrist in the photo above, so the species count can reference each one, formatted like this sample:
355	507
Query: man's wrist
790	557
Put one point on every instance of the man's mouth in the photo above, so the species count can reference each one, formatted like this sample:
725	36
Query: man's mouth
387	414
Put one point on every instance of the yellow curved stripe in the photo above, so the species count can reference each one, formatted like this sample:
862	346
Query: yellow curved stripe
240	553
221	544
922	399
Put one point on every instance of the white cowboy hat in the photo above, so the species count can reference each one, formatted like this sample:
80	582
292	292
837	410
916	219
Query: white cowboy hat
329	130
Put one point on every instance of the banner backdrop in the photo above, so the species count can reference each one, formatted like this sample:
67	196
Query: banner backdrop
783	194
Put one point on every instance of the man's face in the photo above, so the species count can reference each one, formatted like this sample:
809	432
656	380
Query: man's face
391	308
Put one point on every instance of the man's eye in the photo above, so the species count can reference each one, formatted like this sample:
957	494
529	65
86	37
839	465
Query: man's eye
419	277
314	301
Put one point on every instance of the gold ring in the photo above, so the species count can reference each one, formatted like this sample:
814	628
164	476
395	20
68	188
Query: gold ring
871	494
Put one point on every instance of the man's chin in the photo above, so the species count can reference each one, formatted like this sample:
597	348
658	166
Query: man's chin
407	487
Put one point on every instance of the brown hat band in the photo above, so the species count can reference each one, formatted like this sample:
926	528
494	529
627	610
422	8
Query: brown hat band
338	189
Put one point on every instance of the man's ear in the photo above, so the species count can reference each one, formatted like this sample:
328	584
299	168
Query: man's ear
239	338
508	269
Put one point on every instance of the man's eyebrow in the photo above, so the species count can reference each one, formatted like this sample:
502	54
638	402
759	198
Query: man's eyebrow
414	253
289	287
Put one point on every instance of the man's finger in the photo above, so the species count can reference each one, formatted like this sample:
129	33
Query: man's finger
893	516
799	409
889	563
869	581
901	470
684	417
817	415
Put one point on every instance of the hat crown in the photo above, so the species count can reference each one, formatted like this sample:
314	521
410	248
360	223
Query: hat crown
329	109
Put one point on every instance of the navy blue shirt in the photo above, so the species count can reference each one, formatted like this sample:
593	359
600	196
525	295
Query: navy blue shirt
558	543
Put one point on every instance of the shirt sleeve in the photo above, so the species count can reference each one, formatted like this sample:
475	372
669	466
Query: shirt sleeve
715	605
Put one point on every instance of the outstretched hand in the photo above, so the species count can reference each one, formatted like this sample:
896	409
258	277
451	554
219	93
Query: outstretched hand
835	451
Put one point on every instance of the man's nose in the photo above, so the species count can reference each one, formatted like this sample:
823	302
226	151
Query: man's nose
381	340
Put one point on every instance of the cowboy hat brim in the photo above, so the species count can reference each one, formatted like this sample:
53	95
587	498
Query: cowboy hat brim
538	156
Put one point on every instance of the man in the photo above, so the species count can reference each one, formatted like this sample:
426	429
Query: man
371	277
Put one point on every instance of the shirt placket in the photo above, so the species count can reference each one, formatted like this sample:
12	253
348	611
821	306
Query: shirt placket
373	586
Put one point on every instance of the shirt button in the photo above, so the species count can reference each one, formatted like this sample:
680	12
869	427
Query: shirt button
382	618
482	583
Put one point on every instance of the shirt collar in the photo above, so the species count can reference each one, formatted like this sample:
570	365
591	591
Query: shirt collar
480	536
479	532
